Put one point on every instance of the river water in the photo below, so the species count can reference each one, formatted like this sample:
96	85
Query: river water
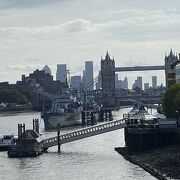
92	158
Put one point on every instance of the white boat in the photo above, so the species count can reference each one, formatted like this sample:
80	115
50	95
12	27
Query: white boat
6	142
65	111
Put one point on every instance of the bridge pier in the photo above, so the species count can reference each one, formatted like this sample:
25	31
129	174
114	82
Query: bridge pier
105	115
88	118
83	118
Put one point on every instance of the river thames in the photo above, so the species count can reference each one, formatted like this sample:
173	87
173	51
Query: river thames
93	158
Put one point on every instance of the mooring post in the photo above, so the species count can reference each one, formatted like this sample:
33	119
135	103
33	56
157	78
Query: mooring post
83	118
92	118
37	125
101	115
106	115
58	138
33	124
110	115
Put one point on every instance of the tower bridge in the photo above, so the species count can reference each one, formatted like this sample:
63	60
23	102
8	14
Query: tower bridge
108	70
139	68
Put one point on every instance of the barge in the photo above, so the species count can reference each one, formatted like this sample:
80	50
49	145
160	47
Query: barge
28	144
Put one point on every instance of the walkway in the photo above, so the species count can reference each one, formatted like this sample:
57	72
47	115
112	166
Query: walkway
85	133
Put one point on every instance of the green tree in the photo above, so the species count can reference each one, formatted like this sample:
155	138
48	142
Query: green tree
13	96
171	102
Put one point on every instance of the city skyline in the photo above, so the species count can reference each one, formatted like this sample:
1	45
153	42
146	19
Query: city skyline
131	31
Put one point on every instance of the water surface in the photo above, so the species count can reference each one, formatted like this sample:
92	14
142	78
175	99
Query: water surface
92	158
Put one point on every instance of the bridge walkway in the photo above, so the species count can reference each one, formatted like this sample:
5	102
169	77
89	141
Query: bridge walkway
85	133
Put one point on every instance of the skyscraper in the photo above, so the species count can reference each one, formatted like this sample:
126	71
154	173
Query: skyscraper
47	69
154	82
88	76
61	74
139	82
75	82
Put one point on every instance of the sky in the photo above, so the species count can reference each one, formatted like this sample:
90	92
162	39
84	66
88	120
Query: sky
39	32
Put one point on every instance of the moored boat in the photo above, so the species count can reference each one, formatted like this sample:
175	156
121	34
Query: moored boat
6	142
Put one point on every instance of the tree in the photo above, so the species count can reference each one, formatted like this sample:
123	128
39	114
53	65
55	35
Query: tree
13	96
171	101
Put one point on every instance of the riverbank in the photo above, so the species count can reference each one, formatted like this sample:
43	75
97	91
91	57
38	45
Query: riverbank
14	111
162	163
25	107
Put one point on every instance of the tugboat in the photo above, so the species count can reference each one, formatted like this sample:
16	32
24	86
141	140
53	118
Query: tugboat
6	142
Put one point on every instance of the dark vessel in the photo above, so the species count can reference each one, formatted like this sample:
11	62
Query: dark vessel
6	142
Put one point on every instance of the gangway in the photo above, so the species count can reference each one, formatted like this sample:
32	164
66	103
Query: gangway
85	133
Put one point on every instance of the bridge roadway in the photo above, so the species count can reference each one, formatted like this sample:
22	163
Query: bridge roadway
85	133
139	68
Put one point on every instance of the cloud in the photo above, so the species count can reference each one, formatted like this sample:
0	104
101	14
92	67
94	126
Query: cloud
131	20
144	18
77	25
22	68
27	3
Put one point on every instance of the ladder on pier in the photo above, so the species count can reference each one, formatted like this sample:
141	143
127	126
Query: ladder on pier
85	133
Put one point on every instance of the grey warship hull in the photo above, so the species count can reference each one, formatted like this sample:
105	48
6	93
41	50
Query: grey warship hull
66	119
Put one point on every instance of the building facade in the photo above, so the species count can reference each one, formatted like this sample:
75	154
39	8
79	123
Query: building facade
139	82
47	69
61	74
178	73
75	82
154	82
88	83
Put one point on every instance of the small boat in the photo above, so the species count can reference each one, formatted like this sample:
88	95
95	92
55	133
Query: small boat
6	142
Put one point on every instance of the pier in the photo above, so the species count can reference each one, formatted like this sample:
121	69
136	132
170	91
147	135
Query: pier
85	133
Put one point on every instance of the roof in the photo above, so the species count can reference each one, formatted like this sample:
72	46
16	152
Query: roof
135	109
30	134
142	114
159	116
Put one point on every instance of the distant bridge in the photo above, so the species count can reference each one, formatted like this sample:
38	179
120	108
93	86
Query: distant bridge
139	68
139	97
85	133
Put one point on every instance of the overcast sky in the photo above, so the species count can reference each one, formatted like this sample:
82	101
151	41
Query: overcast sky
34	33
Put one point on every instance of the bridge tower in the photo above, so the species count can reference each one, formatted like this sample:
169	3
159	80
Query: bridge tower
170	71
108	81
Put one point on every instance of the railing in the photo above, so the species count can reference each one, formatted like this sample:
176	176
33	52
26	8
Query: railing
85	132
